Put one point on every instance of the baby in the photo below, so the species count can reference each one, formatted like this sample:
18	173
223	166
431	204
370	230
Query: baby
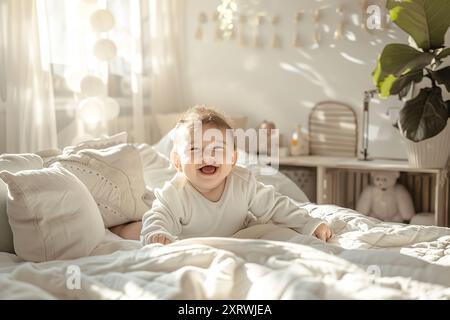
210	195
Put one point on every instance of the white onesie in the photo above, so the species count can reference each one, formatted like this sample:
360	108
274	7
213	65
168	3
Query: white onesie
180	211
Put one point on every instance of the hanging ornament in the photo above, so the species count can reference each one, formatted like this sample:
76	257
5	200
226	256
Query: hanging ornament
215	16
105	49
276	39
111	108
276	42
257	41
317	37
364	5
217	31
218	34
317	16
91	111
386	22
92	86
339	33
102	21
297	18
202	19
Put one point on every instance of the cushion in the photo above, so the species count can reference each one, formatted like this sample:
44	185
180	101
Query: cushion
52	215
115	178
100	143
12	163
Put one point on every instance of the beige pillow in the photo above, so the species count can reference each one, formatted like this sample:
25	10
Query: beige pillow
115	178
12	163
52	215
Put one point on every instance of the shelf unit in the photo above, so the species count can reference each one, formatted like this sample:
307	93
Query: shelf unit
341	180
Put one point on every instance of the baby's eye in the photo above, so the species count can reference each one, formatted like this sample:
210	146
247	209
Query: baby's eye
195	149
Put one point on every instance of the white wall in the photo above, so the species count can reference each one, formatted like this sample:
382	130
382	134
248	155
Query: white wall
284	84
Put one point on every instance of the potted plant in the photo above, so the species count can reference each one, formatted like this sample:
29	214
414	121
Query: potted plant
424	119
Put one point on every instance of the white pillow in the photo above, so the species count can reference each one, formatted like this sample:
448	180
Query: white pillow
52	215
115	178
12	163
100	143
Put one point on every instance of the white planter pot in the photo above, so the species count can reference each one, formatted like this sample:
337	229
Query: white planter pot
432	153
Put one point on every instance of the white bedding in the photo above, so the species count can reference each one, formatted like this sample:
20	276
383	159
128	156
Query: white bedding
386	261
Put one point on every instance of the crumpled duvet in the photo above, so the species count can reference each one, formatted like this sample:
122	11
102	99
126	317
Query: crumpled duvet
365	259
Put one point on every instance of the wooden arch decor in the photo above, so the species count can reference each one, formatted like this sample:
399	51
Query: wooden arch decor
333	130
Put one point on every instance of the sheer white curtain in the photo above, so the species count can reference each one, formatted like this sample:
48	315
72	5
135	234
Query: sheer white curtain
28	112
46	49
166	36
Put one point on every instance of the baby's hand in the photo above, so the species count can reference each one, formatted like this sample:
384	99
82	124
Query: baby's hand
159	238
323	232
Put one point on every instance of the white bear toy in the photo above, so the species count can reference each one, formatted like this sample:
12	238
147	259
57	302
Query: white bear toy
386	200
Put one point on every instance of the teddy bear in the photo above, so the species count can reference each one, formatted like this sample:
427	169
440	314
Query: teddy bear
385	199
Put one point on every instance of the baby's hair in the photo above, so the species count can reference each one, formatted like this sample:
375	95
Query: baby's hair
207	116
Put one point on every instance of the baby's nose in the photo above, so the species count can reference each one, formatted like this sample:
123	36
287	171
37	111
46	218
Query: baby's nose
209	160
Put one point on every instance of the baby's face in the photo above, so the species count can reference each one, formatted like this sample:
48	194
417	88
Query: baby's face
206	160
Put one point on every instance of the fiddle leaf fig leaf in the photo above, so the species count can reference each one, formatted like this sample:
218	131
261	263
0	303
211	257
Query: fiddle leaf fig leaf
424	116
402	85
443	54
399	61
442	76
427	21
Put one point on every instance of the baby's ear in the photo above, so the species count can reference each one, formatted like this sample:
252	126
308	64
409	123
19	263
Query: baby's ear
176	161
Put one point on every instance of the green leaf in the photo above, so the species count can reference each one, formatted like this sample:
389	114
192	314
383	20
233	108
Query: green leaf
442	76
398	60
427	21
443	54
402	85
424	116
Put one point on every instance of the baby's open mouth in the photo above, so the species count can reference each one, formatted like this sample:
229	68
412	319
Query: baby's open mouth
208	169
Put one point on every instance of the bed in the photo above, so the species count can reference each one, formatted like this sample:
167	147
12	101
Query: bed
365	259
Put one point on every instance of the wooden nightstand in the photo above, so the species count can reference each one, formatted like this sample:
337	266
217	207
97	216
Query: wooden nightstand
340	181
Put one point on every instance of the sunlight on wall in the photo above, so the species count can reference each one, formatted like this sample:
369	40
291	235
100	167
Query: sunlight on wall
352	59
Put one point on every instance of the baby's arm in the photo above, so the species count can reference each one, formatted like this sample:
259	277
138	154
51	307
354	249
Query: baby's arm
267	204
129	231
161	223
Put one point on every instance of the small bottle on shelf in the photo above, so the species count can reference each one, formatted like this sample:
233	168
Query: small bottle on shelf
299	142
